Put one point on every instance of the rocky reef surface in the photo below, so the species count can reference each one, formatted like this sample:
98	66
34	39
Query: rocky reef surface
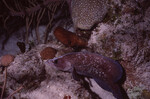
123	35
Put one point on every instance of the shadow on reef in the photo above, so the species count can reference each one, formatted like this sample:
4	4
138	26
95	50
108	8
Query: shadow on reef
121	82
87	85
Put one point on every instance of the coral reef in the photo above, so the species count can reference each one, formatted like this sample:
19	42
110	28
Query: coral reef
126	39
39	80
123	35
27	69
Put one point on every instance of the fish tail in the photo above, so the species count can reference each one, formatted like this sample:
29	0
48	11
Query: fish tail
119	92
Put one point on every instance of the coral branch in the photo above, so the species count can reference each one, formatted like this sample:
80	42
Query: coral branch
39	17
27	28
5	22
50	22
17	5
31	3
28	23
4	86
30	10
15	92
8	6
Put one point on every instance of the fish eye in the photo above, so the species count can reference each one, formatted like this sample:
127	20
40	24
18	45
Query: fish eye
55	61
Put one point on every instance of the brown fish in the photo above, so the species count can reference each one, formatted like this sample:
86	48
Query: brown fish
69	38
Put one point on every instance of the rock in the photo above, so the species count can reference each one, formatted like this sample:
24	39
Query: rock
27	69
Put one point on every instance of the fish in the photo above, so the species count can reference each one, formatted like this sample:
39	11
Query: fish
105	71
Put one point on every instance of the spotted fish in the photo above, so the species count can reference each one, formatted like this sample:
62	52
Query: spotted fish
105	71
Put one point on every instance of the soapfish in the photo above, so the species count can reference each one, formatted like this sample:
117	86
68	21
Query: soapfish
105	71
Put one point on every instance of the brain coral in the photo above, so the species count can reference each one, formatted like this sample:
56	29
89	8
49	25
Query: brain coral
86	13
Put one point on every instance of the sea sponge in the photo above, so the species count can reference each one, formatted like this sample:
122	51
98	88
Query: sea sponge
146	94
6	60
68	38
48	53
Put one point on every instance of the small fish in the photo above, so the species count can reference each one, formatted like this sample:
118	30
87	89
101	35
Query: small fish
105	71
